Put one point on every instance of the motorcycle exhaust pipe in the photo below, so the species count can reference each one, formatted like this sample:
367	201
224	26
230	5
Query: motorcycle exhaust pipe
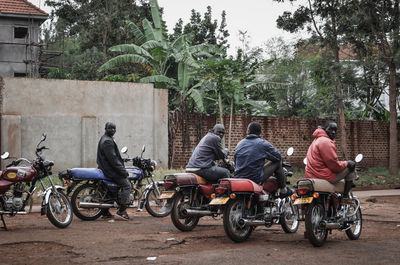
95	205
7	212
246	222
332	225
190	212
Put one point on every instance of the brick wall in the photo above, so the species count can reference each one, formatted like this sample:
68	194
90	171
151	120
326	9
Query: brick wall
371	138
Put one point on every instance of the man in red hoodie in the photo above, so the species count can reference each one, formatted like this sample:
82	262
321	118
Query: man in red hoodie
323	162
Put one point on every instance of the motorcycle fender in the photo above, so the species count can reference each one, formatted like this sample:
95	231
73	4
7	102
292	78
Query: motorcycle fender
46	197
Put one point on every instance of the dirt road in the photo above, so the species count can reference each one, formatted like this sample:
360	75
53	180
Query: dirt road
32	239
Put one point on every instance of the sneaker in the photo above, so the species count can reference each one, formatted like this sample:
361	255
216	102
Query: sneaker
122	215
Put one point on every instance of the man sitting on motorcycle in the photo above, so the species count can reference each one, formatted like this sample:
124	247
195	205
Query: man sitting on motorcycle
110	162
323	162
250	155
206	152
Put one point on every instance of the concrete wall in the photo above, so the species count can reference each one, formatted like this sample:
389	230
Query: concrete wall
73	114
14	52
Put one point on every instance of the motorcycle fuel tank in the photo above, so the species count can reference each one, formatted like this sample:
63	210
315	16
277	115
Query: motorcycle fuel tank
18	174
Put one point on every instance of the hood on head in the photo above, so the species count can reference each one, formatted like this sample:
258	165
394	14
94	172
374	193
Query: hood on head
320	133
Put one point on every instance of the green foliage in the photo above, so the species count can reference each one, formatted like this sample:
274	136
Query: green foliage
58	73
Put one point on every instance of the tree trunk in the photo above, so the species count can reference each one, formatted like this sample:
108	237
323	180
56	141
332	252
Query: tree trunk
230	127
393	142
221	117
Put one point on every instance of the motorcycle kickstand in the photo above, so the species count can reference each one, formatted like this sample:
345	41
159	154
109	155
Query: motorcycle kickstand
4	223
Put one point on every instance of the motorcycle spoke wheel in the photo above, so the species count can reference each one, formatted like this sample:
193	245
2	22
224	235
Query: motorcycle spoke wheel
233	214
59	210
315	234
155	206
179	219
289	218
354	232
86	193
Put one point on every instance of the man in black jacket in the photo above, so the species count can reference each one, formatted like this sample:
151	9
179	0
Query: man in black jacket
206	152
110	162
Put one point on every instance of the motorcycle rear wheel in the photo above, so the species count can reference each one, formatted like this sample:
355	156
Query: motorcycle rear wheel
181	221
155	206
234	211
59	210
315	234
289	218
355	231
85	193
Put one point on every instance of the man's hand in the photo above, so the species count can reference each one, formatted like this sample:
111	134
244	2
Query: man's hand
351	165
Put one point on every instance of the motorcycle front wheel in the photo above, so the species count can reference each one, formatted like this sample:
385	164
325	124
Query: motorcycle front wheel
234	212
354	232
289	218
86	193
59	210
157	207
314	232
178	217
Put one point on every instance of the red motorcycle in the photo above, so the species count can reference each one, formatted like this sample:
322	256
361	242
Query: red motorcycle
15	194
248	205
191	196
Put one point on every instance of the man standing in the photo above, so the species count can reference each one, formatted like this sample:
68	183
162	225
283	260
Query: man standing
250	155
206	152
323	162
110	162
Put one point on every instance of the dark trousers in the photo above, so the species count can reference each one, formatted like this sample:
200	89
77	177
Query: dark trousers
275	167
124	191
213	174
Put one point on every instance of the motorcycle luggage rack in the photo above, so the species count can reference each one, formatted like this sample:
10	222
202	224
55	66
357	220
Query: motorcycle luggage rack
309	185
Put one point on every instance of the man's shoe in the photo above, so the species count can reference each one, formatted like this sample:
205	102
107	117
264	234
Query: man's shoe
286	192
107	215
122	215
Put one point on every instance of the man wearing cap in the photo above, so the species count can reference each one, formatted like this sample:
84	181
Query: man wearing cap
206	152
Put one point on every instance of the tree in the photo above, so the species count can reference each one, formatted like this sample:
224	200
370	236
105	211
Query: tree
323	19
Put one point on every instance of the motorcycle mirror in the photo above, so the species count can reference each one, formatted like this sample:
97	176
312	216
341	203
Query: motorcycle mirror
124	150
143	148
290	151
359	157
5	155
43	137
305	161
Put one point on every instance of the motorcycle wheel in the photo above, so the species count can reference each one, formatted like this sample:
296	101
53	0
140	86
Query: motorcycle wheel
234	211
355	231
59	210
85	193
180	220
315	234
289	218
155	206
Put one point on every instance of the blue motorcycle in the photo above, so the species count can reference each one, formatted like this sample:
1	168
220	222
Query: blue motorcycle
93	191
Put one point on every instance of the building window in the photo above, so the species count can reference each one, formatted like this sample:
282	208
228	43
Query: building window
20	32
19	74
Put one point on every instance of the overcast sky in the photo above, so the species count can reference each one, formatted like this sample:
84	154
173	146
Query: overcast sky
257	17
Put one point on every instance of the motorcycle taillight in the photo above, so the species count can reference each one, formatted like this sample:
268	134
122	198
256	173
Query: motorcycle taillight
302	191
221	189
167	184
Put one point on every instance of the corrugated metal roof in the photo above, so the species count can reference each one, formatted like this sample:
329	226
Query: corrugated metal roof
20	7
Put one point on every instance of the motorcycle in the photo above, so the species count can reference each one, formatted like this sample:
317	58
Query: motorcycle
191	195
14	195
320	206
248	205
93	191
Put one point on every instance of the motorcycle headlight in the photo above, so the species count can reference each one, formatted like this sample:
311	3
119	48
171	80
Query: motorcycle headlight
153	164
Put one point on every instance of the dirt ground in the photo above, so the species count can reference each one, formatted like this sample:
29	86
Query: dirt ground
32	239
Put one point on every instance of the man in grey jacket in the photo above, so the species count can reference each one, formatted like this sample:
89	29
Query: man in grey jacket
206	152
110	162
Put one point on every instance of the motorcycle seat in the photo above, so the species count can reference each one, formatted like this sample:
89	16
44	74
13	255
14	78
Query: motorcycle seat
322	185
242	184
188	179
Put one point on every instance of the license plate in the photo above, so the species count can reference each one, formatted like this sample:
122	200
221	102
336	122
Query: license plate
166	195
303	200
218	201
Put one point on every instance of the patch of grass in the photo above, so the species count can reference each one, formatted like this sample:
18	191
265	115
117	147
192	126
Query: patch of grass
159	174
367	176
